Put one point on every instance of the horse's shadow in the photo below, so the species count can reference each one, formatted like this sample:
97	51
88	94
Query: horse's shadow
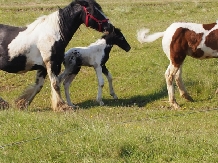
137	100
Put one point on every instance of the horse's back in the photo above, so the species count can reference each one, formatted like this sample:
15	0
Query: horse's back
196	40
8	33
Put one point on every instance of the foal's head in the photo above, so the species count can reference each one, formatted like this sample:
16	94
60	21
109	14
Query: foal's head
116	37
93	16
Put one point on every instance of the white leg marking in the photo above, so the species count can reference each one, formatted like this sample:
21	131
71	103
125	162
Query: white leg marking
28	95
111	89
182	90
98	71
58	103
67	83
170	75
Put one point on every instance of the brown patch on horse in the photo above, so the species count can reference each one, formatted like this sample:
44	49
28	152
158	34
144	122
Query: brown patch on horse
178	47
211	40
198	53
208	26
182	42
194	40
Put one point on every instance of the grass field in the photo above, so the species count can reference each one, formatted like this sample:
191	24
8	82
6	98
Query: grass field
139	126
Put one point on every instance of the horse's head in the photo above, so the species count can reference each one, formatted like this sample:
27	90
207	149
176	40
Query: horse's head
93	15
116	37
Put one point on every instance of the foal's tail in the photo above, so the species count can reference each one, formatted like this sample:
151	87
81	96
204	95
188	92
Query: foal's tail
143	37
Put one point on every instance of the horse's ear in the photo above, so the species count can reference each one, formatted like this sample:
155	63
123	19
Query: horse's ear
109	29
83	3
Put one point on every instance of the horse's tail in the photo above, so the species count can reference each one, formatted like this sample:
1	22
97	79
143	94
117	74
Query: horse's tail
143	37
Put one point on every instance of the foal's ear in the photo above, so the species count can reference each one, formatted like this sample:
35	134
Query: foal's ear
83	3
109	29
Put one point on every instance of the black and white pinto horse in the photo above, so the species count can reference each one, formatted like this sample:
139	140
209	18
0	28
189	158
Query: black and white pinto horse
41	45
95	55
179	40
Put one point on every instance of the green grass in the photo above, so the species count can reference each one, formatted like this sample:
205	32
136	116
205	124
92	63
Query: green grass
139	126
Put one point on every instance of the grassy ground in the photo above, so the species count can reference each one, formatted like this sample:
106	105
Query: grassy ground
139	127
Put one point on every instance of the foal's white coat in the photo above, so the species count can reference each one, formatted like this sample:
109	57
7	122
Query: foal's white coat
90	56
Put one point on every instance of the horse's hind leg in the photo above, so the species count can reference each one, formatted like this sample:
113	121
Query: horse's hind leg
98	71
183	92
3	104
170	75
28	95
68	80
110	79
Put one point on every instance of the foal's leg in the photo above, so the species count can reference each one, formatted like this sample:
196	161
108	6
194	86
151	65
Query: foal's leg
98	71
28	95
67	83
183	92
109	78
170	75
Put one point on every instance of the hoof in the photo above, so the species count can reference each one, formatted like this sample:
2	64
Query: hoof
114	96
101	103
188	97
22	104
63	107
99	100
175	105
3	104
74	106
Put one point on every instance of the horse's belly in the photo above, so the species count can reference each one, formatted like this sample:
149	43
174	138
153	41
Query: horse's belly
21	63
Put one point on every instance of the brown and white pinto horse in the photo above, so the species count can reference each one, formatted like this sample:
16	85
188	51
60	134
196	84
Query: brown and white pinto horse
179	40
41	45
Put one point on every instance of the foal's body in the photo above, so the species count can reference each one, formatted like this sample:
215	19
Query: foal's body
40	46
179	40
95	55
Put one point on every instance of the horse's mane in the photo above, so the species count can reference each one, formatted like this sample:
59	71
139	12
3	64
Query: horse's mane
33	25
92	3
49	19
96	5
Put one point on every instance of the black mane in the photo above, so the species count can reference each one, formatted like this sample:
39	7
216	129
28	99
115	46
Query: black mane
92	3
67	27
68	13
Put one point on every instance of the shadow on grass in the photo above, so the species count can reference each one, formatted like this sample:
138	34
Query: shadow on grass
138	100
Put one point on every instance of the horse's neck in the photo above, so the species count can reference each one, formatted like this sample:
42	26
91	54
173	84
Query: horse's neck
69	23
107	49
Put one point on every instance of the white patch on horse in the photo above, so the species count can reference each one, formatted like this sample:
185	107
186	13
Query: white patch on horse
43	32
181	39
90	56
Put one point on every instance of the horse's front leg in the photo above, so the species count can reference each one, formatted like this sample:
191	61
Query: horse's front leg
110	79
58	103
28	95
98	71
